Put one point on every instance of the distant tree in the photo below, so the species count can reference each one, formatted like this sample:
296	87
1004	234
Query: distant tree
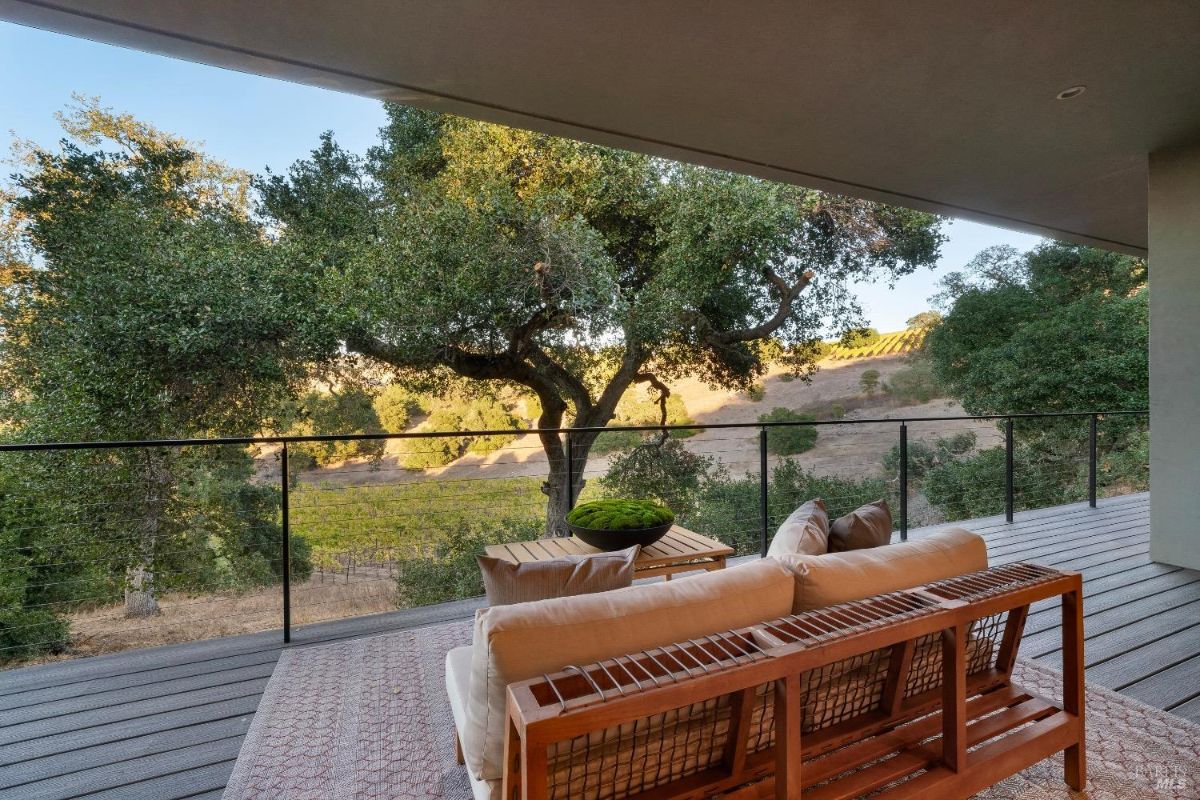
142	302
869	382
347	411
859	337
787	440
396	406
924	321
460	249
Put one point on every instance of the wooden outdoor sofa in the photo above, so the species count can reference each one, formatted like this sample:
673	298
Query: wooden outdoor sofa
815	676
909	691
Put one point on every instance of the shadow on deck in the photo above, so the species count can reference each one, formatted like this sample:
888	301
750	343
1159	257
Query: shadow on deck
168	722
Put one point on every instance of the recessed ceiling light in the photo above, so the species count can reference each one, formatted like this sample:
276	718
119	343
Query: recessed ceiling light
1071	92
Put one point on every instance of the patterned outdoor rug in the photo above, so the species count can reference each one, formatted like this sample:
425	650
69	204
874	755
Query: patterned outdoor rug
368	719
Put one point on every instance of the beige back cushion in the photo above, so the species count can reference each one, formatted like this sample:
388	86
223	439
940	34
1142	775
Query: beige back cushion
507	583
513	643
866	526
804	532
839	577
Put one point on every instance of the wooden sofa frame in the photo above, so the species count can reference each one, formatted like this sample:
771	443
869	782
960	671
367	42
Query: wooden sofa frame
928	705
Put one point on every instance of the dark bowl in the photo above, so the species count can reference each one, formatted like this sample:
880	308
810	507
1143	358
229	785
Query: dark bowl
619	540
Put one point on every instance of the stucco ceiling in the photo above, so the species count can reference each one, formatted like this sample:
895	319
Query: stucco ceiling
949	106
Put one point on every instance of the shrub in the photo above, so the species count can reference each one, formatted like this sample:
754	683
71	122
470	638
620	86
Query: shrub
756	392
923	457
869	381
619	515
792	439
974	486
447	570
457	417
28	632
395	407
667	473
914	384
350	412
787	377
859	337
727	508
488	415
430	453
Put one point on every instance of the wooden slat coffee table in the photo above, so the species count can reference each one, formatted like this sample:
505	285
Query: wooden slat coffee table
680	550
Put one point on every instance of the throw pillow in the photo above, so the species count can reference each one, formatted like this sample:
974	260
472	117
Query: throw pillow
804	532
868	526
507	583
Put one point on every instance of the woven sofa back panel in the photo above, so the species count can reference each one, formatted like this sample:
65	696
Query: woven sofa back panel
514	643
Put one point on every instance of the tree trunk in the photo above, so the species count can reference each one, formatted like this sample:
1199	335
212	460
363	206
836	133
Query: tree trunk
141	593
555	488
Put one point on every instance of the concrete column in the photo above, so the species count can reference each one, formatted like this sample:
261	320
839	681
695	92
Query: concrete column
1174	268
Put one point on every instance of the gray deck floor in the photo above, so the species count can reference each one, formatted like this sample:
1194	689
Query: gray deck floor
168	722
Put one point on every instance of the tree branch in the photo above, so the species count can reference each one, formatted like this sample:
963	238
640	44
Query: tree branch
787	296
663	394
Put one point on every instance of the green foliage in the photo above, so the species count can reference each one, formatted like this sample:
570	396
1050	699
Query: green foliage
347	412
924	321
635	409
665	472
923	457
395	407
915	384
482	415
724	504
454	415
1060	328
756	392
869	381
973	486
615	514
791	439
447	570
859	337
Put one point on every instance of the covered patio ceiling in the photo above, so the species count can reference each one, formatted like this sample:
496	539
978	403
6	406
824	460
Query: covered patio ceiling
946	106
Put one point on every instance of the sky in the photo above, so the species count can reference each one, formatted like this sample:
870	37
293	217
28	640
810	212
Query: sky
254	123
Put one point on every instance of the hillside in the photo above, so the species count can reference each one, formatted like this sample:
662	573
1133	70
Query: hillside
841	449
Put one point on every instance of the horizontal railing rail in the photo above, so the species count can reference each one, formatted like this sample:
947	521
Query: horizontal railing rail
751	515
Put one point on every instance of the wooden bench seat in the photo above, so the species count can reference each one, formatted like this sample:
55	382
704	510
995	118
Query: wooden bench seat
910	692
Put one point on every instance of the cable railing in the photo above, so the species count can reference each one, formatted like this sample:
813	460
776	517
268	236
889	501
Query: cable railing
112	545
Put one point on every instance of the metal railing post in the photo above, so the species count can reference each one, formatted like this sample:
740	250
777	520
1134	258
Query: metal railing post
287	545
570	454
903	481
1008	470
764	517
1092	461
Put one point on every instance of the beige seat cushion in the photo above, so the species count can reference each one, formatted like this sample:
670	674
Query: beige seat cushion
804	532
458	679
839	577
866	526
506	583
523	641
